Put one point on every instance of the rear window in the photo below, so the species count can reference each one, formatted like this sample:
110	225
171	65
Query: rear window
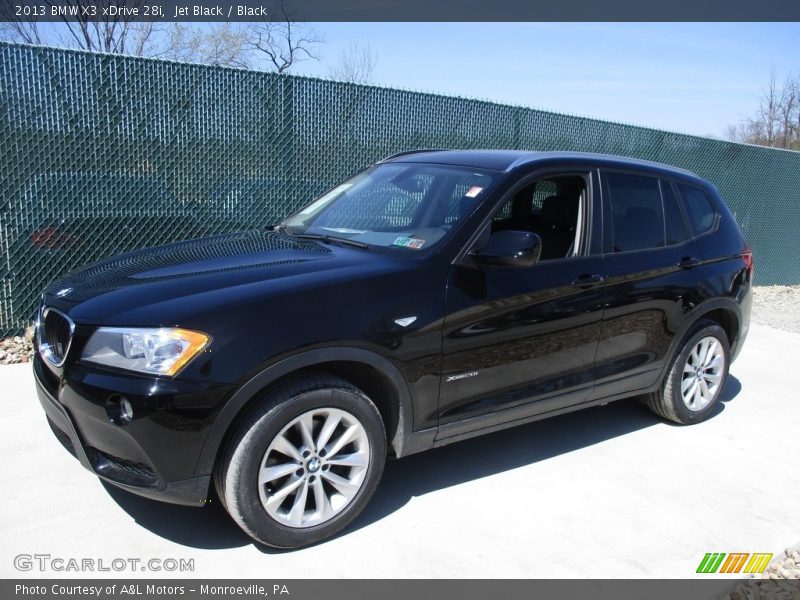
699	209
636	213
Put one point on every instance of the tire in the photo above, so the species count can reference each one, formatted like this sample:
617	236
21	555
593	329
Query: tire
324	495
686	371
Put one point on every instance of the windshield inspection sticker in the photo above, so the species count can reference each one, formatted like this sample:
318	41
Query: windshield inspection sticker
408	242
473	191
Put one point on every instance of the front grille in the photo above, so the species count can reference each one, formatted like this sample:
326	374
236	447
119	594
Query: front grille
55	335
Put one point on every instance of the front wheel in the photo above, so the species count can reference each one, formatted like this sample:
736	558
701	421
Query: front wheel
697	376
304	463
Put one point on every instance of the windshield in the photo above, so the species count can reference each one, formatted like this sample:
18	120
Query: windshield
403	206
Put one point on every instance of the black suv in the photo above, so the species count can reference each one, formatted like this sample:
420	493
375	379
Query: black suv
435	296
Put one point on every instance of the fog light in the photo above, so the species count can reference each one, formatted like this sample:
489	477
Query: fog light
125	411
119	409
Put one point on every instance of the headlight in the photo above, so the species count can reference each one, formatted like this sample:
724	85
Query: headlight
163	351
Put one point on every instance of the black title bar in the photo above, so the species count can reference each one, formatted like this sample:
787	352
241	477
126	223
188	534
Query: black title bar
399	589
397	10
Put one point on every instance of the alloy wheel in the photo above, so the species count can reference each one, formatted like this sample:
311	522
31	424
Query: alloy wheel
702	374
314	467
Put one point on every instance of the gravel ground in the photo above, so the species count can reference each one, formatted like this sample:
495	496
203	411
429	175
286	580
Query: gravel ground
777	306
784	566
17	349
775	587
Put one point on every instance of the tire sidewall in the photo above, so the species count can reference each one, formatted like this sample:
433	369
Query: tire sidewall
242	475
676	375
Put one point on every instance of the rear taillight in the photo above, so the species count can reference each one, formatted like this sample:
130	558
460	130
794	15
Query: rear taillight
747	257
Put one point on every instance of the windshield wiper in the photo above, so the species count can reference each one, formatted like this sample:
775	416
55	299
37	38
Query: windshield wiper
319	237
330	239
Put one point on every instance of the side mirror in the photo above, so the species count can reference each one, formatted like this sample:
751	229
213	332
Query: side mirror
509	249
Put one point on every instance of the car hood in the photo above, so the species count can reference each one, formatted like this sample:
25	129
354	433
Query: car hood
166	284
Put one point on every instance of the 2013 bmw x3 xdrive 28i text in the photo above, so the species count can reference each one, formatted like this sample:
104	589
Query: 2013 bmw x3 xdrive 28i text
435	296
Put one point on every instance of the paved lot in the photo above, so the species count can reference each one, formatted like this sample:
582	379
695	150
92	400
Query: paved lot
607	492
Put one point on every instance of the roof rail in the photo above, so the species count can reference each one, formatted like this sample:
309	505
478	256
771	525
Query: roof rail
407	152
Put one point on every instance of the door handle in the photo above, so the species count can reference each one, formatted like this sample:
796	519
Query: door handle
687	262
586	280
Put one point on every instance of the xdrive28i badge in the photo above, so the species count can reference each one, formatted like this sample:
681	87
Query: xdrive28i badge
460	376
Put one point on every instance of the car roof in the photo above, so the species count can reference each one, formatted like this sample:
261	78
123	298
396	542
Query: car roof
510	160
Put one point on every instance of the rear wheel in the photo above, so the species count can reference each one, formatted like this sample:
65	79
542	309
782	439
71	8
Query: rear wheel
304	463
697	376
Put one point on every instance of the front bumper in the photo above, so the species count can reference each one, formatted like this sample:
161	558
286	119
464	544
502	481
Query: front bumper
154	456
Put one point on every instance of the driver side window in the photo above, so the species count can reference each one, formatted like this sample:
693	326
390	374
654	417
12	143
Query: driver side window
550	207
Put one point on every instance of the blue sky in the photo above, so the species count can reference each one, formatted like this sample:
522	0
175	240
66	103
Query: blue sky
693	78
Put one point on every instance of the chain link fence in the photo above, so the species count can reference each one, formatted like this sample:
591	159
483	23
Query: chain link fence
100	154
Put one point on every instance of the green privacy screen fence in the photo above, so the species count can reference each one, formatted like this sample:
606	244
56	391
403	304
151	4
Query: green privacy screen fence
100	154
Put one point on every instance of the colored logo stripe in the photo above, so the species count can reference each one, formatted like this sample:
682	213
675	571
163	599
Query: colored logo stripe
710	562
733	564
758	563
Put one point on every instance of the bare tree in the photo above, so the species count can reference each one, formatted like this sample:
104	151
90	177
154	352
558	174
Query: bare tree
142	39
218	44
269	45
242	45
88	28
225	45
796	88
180	42
221	44
788	112
283	43
777	121
96	31
768	110
356	65
19	29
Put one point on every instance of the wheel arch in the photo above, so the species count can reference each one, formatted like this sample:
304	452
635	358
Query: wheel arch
723	311
375	375
728	319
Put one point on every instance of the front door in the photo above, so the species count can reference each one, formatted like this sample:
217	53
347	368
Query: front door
522	341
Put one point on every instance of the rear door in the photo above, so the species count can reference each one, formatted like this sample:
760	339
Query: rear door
651	281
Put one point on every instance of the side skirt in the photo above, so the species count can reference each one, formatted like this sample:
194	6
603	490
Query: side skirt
485	424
